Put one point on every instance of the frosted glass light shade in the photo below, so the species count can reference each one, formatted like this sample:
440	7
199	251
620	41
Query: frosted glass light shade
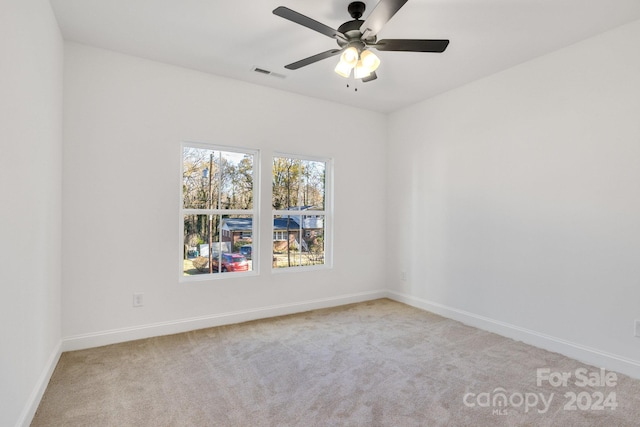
343	69
348	60
369	60
360	71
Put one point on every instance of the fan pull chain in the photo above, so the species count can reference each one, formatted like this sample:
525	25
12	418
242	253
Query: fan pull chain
355	88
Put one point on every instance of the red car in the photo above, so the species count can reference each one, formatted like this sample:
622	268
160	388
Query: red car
231	262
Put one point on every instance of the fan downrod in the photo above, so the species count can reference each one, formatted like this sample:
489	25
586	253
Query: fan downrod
356	9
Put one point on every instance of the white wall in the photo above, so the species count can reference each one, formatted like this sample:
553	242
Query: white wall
516	201
124	120
30	203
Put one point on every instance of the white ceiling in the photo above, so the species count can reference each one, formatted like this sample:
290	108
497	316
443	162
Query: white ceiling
230	38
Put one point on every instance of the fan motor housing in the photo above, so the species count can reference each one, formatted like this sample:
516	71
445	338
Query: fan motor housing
351	30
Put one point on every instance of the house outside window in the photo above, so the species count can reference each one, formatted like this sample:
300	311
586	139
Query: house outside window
301	203
218	188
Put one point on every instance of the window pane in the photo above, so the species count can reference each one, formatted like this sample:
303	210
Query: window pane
237	238
237	244
231	251
236	190
298	184
213	179
298	240
200	231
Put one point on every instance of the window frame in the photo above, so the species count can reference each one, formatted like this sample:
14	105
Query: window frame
326	213
254	212
279	236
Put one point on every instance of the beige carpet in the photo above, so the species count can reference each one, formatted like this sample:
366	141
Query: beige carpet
379	363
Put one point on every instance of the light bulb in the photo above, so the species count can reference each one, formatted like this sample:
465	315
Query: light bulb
350	56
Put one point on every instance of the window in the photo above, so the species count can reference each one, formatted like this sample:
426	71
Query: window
301	211
219	215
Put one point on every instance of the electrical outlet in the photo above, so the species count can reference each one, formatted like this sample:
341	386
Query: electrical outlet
138	300
403	276
638	328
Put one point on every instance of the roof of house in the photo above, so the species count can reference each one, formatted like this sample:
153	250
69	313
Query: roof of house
237	224
246	224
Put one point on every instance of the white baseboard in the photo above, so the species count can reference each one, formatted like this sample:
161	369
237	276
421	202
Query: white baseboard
588	355
38	391
79	342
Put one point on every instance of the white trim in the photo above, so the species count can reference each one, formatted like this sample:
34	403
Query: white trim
299	156
29	411
79	342
589	355
227	212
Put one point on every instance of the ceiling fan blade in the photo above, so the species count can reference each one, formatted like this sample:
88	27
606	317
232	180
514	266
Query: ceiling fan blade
312	59
370	77
379	16
411	45
305	21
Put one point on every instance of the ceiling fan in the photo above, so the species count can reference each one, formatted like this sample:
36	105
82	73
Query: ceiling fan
356	37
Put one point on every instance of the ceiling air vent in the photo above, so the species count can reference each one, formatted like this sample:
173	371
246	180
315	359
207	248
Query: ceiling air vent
268	73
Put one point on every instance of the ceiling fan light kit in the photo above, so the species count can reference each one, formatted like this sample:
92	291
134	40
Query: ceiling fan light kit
363	63
356	37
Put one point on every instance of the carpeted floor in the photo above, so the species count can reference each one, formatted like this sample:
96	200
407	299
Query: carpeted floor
379	363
